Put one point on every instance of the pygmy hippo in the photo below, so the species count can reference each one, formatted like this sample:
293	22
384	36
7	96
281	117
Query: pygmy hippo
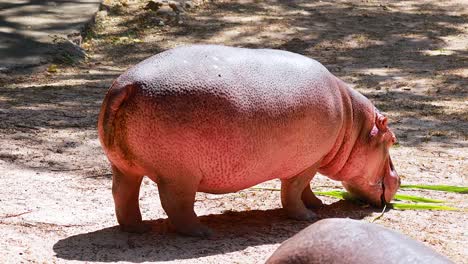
219	119
354	242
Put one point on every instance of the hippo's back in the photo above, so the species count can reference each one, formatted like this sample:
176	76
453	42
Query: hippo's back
252	79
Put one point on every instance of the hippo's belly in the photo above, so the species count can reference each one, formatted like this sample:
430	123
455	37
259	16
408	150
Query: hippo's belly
228	149
225	161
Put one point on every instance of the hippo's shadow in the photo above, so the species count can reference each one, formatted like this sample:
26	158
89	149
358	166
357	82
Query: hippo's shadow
234	231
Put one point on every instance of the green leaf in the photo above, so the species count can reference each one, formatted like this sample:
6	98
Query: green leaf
265	189
422	206
413	198
52	68
338	194
333	193
444	188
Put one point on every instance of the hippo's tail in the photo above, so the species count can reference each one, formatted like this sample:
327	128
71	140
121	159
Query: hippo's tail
115	98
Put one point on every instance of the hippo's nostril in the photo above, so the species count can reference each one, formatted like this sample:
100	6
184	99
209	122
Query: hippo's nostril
391	165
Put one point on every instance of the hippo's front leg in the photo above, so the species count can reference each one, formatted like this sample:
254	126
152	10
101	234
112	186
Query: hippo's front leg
296	195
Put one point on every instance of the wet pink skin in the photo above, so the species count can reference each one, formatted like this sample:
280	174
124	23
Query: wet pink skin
218	119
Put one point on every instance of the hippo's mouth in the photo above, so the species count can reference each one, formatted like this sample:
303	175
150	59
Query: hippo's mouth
383	201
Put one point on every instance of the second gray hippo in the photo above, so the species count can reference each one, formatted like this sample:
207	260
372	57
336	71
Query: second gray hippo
350	241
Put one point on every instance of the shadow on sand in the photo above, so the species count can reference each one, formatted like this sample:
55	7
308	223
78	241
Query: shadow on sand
234	231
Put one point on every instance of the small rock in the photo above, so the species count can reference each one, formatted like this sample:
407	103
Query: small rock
176	7
124	3
105	7
100	16
65	51
154	5
165	11
189	4
118	8
212	196
76	38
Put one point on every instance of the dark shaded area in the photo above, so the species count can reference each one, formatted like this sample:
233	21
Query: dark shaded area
29	115
56	107
420	107
26	43
234	231
19	49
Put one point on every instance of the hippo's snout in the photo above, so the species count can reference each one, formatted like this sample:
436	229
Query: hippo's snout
391	183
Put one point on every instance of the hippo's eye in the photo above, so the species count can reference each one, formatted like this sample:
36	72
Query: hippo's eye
379	183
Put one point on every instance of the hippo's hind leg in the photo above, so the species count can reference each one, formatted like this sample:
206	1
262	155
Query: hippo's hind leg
177	196
126	190
295	196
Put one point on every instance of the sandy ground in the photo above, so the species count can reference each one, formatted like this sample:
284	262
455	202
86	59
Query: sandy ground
409	57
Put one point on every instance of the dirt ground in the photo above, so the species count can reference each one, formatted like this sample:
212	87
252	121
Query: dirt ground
409	57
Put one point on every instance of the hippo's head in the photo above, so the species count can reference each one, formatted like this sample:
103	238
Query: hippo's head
370	172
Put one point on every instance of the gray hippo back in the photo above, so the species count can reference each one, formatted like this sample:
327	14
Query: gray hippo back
351	241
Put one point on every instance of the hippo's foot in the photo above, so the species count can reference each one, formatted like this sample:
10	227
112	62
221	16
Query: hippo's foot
302	215
196	230
136	228
310	200
296	195
316	204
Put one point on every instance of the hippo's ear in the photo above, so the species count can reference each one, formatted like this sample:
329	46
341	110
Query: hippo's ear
382	133
381	122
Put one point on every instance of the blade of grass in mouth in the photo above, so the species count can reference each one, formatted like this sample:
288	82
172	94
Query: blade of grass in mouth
400	197
422	206
413	198
444	188
333	193
428	204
